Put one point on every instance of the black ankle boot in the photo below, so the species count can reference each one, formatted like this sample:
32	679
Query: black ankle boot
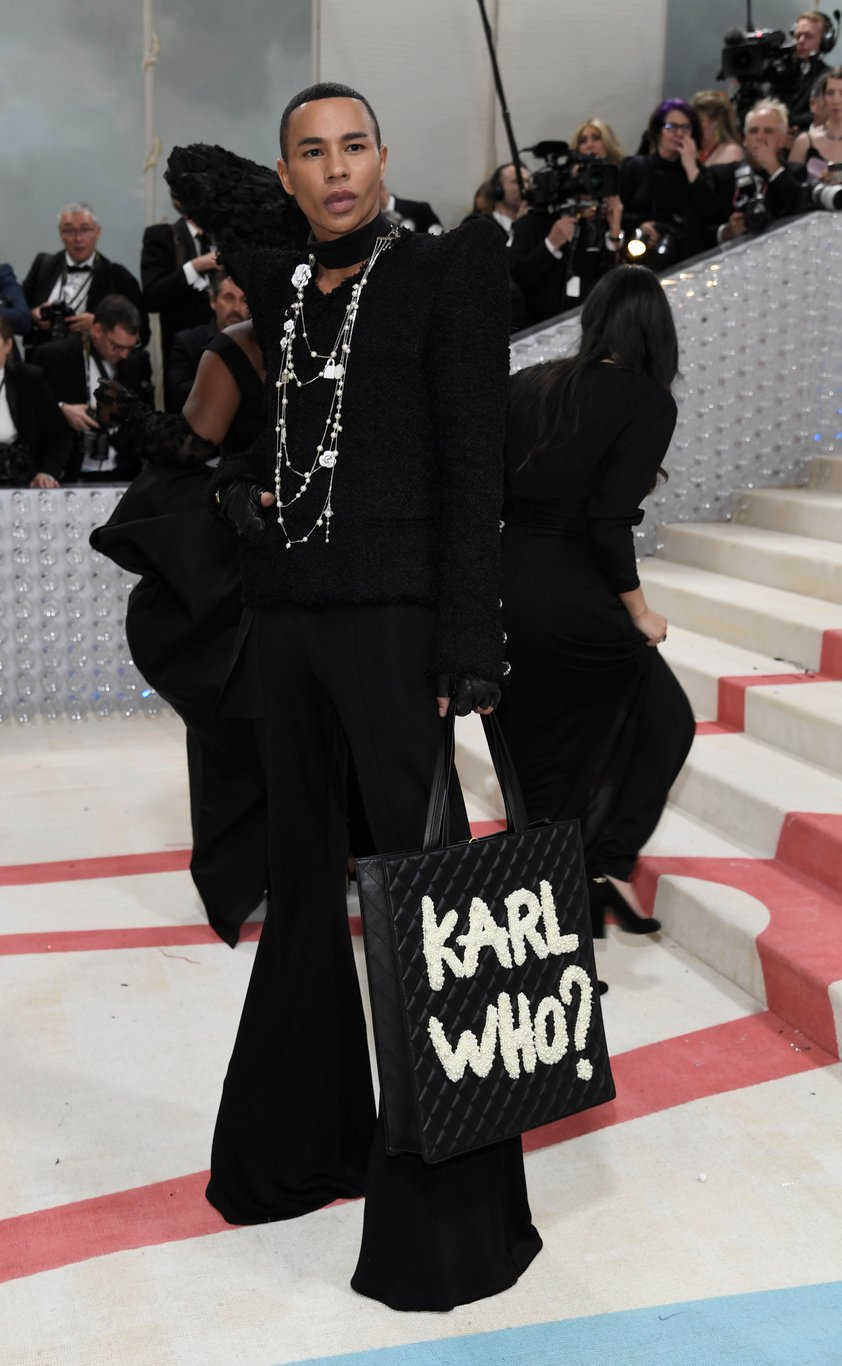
604	897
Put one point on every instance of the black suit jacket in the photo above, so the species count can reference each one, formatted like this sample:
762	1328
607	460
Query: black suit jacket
799	104
185	353
63	363
108	278
785	195
417	214
166	247
40	425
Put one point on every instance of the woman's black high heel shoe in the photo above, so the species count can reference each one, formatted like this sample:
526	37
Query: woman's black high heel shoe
603	896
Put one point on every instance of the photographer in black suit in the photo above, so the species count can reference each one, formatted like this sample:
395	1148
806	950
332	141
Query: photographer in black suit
74	368
752	193
228	306
34	442
813	34
176	261
64	289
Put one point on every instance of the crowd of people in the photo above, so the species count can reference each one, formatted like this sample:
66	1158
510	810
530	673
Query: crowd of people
696	180
356	521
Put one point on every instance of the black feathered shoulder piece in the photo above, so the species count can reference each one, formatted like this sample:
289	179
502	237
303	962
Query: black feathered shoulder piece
242	206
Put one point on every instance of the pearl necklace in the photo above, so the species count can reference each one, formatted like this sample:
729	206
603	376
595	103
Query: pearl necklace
335	367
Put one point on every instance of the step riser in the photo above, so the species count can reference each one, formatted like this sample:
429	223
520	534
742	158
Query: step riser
793	573
723	942
818	740
748	818
826	474
751	628
823	523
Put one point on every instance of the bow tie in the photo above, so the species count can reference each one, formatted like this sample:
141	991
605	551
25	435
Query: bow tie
78	270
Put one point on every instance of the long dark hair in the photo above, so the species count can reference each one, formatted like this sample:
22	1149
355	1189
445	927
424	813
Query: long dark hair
626	319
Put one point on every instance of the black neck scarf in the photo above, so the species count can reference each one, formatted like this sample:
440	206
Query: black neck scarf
351	249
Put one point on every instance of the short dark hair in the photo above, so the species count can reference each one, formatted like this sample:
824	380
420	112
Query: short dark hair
216	279
661	114
7	330
117	311
325	90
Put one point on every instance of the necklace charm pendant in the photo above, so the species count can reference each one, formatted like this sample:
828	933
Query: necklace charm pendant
328	459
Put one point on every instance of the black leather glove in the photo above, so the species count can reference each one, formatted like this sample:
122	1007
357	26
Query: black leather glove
468	693
240	506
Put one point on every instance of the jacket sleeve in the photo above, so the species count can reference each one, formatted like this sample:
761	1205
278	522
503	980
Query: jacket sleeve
628	474
468	367
14	305
163	282
532	264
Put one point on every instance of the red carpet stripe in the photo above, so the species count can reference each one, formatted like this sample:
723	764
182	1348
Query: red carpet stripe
146	937
77	869
731	693
746	1052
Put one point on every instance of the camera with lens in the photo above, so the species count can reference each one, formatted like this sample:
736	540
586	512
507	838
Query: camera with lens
762	63
95	444
569	182
56	315
827	197
749	198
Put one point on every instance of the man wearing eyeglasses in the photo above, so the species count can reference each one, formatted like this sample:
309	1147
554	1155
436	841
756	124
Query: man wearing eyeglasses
63	289
74	367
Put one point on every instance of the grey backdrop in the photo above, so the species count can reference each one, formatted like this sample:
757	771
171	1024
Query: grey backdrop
71	104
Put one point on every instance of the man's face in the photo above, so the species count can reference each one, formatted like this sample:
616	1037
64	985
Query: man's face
112	346
764	132
808	35
229	305
512	196
334	167
79	234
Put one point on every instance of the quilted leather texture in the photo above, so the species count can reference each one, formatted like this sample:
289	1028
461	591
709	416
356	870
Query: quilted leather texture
425	1110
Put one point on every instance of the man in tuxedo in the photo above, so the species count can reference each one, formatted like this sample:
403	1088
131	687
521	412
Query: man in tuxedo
35	444
416	214
228	306
808	33
74	368
176	260
763	171
77	277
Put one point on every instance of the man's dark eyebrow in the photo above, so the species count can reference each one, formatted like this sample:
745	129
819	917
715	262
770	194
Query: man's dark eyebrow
317	142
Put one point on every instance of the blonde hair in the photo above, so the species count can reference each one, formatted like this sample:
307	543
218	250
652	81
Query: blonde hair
610	141
719	109
814	16
776	107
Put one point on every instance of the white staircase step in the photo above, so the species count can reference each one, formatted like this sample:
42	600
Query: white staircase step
779	624
700	661
826	473
746	788
805	720
680	835
799	564
717	923
804	512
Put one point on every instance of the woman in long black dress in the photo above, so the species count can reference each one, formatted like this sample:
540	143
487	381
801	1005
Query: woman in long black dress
597	724
182	617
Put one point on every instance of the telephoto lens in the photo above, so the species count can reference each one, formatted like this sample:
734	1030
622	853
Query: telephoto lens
826	197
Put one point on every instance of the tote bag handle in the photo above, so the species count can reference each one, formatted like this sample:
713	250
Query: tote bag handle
435	833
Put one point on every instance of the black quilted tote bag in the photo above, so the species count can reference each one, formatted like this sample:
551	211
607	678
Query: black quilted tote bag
484	995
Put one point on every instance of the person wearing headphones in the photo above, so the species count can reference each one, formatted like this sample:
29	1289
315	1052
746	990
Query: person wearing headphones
814	35
509	204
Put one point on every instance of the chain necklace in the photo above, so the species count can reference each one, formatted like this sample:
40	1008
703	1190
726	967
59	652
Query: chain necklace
326	456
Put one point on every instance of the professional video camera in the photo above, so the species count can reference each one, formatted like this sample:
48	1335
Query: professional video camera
762	62
569	182
750	198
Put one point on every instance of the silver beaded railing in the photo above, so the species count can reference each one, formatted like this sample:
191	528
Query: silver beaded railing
759	394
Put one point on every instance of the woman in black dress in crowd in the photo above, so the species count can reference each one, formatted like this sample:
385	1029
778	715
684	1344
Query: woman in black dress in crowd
182	616
597	724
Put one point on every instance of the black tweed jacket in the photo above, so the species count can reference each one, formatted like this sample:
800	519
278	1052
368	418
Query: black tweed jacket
418	486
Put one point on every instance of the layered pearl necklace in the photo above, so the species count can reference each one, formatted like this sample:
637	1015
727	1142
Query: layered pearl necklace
335	367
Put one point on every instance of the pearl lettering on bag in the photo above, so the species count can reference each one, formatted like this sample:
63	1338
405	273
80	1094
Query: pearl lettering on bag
484	932
522	1042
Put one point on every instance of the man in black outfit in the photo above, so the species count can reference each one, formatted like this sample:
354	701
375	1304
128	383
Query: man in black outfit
764	139
370	579
228	306
78	277
556	259
809	32
74	368
30	422
415	214
176	260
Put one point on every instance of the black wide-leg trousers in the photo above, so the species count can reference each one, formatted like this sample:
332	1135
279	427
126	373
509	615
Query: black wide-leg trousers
345	689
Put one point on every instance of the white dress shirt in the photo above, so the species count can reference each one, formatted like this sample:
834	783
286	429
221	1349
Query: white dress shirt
73	289
191	274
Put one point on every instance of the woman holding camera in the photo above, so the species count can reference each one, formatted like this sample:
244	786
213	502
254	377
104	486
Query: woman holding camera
597	724
665	204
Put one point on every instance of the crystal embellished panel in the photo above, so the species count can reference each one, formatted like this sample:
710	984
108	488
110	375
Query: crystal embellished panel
63	648
759	392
